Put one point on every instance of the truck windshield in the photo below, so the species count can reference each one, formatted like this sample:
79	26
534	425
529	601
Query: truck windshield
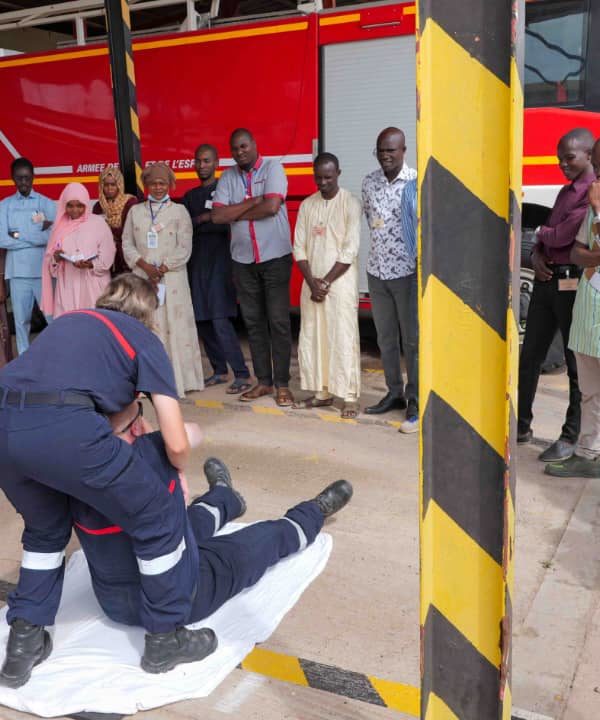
555	50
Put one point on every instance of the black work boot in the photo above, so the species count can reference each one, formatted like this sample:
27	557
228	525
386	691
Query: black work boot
27	646
217	474
334	497
164	651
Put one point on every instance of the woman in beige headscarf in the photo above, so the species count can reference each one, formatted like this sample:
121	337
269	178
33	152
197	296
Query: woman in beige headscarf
114	204
157	243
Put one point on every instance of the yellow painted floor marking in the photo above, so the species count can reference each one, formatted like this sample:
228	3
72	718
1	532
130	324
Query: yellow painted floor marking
336	419
275	665
374	371
465	583
394	423
261	410
467	368
210	404
404	698
481	164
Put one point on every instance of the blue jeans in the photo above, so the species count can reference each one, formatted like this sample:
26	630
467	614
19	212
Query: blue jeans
23	291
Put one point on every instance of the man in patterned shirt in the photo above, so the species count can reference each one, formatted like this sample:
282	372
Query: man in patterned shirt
584	340
392	276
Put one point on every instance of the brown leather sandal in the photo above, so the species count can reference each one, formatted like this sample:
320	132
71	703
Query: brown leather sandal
284	397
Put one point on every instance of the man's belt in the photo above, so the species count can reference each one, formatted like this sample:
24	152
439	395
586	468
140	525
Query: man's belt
566	271
22	398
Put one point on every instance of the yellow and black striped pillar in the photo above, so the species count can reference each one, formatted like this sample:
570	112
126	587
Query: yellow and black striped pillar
470	107
124	93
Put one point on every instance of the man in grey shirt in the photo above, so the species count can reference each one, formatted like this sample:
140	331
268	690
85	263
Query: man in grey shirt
251	198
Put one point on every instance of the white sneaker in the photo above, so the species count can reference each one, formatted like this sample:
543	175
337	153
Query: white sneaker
409	426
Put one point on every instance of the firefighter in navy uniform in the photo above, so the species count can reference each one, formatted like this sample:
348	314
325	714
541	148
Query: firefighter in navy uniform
56	443
226	564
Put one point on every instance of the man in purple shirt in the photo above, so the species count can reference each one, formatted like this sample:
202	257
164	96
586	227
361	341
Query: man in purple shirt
554	291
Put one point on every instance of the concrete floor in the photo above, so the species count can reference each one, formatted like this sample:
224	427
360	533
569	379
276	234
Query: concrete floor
361	614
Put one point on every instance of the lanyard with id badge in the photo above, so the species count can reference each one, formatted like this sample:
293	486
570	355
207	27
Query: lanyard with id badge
568	283
155	228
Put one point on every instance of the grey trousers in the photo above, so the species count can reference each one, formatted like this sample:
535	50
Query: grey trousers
588	371
394	304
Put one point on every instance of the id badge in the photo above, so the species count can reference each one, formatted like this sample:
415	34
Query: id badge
152	238
208	205
378	223
318	230
569	284
38	217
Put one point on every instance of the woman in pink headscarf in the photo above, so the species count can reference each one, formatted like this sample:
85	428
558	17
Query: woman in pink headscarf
79	256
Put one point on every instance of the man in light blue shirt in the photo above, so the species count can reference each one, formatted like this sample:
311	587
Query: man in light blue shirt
25	219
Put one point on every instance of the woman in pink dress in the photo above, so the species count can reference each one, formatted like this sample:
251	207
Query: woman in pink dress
79	256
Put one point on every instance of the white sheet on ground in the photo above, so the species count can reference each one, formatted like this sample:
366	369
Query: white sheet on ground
94	665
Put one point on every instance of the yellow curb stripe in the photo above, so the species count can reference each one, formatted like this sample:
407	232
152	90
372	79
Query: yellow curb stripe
275	665
261	410
213	404
464	584
394	423
481	164
469	381
404	698
336	419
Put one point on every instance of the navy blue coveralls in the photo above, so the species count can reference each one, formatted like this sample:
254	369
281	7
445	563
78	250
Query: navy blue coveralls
225	564
94	362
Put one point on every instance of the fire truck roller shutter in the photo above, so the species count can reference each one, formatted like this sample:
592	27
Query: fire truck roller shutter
367	86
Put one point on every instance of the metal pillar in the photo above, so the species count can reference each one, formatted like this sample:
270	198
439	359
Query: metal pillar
124	93
469	82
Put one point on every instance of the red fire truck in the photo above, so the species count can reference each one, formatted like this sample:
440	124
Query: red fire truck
328	80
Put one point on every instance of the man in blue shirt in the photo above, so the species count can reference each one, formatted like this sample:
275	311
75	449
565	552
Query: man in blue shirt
25	219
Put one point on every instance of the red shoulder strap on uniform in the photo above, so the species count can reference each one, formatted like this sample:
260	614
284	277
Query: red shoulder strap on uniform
129	351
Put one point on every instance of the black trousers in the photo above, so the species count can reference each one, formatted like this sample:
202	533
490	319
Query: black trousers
549	310
263	291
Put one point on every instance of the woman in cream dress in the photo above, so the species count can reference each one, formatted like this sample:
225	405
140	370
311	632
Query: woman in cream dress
157	243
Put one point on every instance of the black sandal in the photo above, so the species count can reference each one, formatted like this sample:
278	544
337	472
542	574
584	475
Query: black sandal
239	385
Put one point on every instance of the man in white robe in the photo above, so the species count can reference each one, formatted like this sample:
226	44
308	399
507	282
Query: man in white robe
326	243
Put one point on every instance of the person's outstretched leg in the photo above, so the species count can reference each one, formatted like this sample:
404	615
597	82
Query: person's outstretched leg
209	512
231	563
